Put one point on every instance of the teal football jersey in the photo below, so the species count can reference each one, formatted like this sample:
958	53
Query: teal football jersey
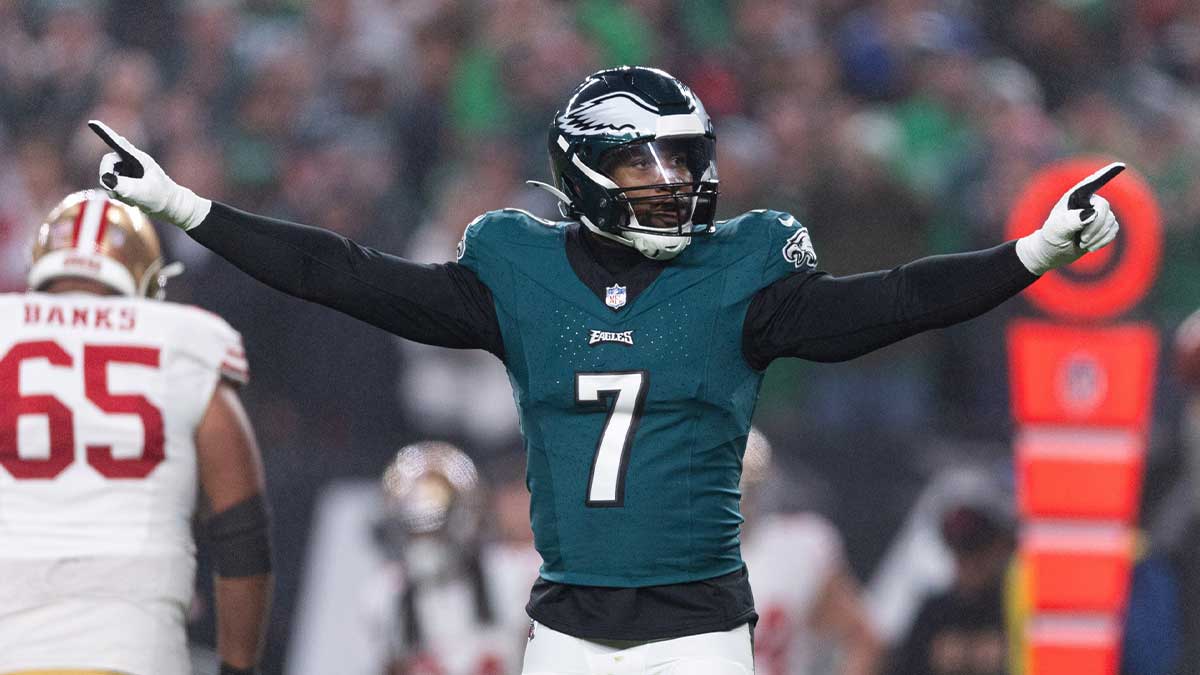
634	410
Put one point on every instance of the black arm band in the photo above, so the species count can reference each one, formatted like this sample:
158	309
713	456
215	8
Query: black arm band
241	545
227	669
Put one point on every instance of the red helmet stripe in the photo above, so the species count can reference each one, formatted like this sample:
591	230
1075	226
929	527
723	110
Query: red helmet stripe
88	224
78	222
103	224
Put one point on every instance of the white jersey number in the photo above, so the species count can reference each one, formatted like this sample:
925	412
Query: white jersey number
606	484
61	421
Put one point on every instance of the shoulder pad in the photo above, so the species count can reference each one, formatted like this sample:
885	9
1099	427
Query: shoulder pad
210	338
497	233
774	243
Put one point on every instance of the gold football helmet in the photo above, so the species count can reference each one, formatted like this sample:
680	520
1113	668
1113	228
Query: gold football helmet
92	236
433	487
433	503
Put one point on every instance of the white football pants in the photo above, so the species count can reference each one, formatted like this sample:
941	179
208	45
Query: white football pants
550	652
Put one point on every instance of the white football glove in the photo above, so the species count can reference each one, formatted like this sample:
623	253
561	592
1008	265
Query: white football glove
132	176
1080	222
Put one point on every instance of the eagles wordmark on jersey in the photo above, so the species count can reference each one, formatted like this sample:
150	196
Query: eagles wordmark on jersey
634	417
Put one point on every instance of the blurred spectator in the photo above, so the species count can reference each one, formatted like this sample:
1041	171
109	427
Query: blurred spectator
1163	623
962	631
25	199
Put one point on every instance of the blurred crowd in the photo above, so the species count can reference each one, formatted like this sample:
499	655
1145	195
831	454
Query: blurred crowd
891	128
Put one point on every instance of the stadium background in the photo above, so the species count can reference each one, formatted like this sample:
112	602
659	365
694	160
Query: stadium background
891	128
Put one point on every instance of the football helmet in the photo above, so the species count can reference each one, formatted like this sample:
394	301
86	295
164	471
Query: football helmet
433	506
647	120
92	236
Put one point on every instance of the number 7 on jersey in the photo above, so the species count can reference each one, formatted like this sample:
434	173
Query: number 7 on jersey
606	484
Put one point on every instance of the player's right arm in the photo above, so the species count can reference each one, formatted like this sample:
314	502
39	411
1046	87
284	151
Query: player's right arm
231	475
444	305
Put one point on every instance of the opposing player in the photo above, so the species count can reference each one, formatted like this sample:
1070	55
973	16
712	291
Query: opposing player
449	602
810	605
113	407
635	332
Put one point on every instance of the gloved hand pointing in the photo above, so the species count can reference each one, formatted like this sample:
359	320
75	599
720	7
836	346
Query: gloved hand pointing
132	176
1080	222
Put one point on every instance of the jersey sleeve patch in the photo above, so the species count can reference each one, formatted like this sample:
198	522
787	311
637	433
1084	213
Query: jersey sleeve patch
471	248
790	247
462	242
798	250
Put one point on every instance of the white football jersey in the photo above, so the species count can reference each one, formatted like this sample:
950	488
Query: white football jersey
790	558
455	641
100	398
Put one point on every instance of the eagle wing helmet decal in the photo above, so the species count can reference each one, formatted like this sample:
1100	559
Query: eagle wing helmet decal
613	114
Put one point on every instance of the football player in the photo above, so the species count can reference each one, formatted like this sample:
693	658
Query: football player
450	603
809	603
114	406
635	331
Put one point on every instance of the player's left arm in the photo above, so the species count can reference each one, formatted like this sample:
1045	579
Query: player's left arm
824	318
231	474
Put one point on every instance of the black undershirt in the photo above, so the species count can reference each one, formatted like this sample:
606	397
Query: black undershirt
600	263
811	316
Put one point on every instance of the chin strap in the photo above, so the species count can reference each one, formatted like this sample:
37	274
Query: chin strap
653	246
607	235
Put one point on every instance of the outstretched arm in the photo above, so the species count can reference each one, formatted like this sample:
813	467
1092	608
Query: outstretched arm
823	318
444	305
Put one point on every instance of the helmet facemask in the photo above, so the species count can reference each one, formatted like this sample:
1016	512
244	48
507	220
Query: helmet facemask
666	185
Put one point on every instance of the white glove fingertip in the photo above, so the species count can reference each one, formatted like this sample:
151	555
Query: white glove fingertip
116	138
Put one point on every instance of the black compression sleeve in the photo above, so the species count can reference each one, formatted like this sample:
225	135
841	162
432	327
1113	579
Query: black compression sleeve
241	541
824	318
443	304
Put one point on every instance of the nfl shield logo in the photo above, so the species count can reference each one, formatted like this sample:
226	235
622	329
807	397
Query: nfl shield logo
614	296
